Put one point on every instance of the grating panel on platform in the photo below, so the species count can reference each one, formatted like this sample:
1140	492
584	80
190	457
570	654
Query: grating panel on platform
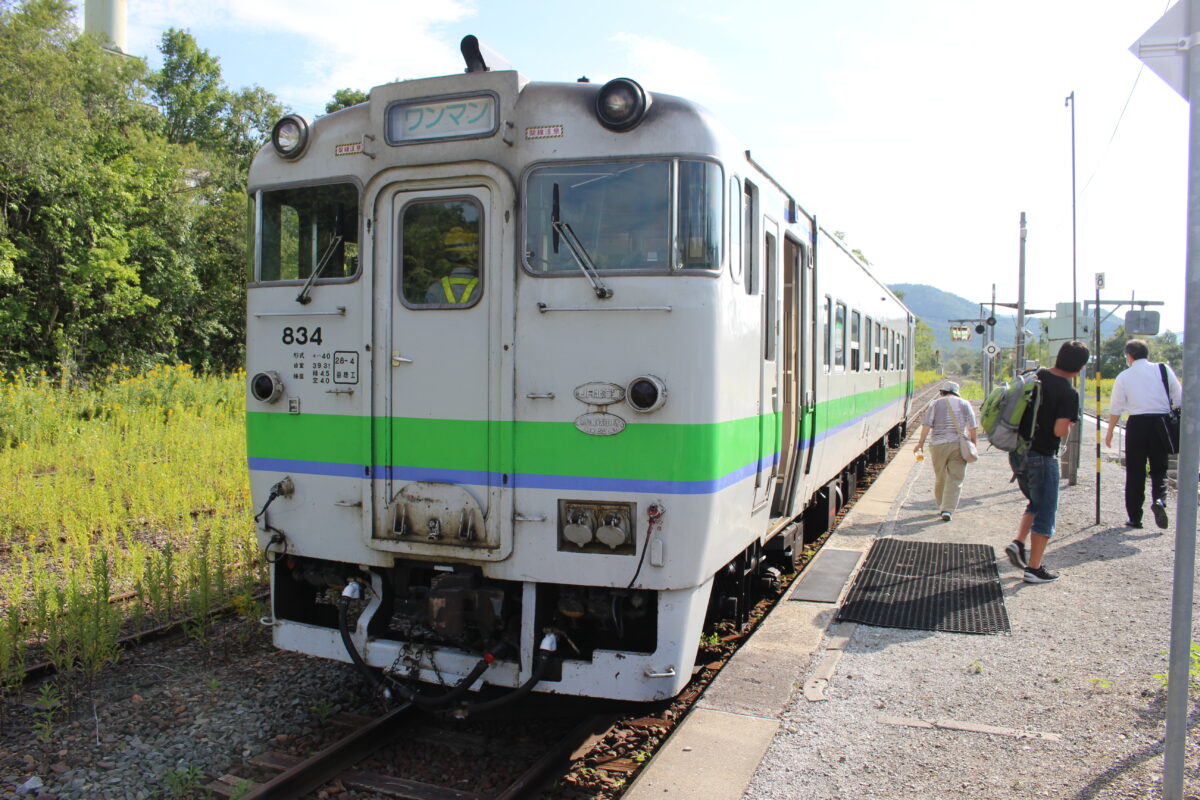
822	580
928	586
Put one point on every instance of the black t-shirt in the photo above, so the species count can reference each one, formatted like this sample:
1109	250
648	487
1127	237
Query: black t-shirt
1059	401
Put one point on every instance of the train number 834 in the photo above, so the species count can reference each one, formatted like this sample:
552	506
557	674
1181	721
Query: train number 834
301	336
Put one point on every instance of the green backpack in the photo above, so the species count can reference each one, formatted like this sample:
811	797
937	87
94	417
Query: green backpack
1005	407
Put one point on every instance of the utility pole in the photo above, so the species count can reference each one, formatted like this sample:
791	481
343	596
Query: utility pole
1099	411
1074	299
1019	356
992	340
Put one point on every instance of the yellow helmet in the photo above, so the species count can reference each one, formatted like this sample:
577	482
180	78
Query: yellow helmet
462	244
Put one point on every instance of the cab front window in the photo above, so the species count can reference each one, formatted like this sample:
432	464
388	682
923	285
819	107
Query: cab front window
649	216
308	229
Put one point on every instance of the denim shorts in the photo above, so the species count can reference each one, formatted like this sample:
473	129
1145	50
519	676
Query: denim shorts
1038	477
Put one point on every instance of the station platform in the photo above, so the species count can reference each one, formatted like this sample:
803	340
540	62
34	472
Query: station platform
1064	705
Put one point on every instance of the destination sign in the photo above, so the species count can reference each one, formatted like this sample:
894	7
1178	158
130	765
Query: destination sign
445	119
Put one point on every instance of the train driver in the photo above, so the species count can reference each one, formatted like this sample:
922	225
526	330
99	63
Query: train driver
461	249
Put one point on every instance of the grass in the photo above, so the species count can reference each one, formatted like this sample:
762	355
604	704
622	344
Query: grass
972	389
125	504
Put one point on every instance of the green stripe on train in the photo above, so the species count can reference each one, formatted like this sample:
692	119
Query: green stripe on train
642	451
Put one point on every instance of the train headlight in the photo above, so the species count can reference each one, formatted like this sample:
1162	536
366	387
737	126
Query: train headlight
290	136
645	394
266	386
621	104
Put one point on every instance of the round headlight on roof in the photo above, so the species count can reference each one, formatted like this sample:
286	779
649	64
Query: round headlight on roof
290	136
621	104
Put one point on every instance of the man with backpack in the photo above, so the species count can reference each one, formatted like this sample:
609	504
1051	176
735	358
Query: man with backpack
1147	392
1043	426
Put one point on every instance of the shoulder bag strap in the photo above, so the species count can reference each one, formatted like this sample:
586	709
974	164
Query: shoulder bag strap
954	418
1162	371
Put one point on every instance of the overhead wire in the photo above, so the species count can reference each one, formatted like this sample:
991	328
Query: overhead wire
1120	117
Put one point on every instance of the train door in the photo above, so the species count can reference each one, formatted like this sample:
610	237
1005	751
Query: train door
769	400
443	332
793	383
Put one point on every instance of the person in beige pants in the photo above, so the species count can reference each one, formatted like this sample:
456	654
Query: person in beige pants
950	418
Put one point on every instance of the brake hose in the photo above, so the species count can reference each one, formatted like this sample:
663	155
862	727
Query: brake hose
353	591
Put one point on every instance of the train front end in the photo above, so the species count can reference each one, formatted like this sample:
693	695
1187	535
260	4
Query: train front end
482	339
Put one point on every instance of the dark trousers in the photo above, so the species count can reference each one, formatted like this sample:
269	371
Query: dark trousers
1145	443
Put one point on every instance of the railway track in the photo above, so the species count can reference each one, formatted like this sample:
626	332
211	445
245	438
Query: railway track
366	759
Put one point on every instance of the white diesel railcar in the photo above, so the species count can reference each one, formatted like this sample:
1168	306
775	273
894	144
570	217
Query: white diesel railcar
544	377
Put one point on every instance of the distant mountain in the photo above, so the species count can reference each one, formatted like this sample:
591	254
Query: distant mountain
937	308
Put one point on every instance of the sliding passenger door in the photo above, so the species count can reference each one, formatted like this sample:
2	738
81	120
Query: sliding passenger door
792	376
769	400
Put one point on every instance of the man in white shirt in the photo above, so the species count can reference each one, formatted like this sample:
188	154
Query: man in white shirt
1139	391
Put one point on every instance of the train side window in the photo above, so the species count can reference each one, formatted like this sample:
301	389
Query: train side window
440	253
884	349
867	344
879	344
839	337
827	351
748	264
735	230
307	228
855	341
700	215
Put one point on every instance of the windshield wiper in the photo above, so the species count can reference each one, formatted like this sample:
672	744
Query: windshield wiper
303	298
582	259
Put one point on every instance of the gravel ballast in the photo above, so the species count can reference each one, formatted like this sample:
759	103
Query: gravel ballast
171	716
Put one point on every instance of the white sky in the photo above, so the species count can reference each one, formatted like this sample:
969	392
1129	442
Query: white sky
920	128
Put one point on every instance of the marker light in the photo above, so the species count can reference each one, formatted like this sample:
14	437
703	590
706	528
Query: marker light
266	387
646	394
621	104
290	136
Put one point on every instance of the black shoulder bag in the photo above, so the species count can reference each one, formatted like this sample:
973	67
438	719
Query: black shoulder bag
1170	420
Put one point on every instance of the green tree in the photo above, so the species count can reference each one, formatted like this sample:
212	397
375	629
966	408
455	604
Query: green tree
73	160
344	98
924	347
122	230
1164	347
189	91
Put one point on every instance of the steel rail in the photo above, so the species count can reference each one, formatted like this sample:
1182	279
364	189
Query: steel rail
313	773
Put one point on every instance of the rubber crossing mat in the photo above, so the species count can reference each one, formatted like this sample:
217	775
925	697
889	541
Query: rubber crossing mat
928	586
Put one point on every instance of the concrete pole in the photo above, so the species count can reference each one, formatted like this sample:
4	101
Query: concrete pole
1019	356
1189	452
992	360
1074	300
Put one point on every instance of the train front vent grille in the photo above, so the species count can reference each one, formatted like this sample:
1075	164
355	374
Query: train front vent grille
928	586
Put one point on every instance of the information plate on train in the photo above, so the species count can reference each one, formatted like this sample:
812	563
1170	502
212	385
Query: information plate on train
441	119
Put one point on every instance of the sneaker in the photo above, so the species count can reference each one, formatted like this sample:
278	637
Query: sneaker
1040	575
1131	524
1016	553
945	516
1160	513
